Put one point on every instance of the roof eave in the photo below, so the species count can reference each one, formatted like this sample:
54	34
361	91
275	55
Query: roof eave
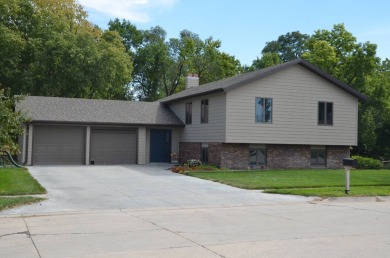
102	123
192	96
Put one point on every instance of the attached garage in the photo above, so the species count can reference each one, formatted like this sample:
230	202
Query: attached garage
113	146
58	145
71	131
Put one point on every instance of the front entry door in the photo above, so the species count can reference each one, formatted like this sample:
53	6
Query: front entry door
160	145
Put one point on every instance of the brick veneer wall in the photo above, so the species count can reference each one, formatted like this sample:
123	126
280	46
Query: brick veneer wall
215	154
189	150
288	156
335	156
235	155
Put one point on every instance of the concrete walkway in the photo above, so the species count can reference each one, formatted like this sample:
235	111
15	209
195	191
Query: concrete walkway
244	224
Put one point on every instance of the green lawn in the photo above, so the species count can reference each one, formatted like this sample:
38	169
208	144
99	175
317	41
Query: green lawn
317	182
16	182
11	202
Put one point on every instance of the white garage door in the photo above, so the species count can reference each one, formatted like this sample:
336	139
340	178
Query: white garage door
58	145
110	146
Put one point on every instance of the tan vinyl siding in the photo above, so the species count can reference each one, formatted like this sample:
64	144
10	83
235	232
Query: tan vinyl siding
147	146
30	144
175	139
214	130
141	145
87	144
295	93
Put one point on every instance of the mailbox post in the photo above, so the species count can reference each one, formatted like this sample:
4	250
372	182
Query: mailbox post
348	164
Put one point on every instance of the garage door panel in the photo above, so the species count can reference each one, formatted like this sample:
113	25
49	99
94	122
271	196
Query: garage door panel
59	145
113	146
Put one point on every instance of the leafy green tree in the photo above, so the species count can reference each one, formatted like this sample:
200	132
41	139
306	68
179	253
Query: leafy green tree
57	52
289	46
10	122
323	55
161	64
149	62
267	59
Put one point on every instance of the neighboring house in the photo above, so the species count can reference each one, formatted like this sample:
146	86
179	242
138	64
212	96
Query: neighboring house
291	115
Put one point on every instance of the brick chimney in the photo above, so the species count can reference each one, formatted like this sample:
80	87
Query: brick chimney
192	80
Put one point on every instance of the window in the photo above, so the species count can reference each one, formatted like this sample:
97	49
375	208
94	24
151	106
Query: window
318	156
189	113
263	110
257	156
325	113
204	111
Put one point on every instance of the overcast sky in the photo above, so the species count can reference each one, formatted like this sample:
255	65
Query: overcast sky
245	26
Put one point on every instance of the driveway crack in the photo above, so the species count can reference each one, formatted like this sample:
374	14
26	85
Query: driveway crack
16	233
32	240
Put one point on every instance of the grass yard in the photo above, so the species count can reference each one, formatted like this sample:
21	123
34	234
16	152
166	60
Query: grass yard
16	182
324	183
11	202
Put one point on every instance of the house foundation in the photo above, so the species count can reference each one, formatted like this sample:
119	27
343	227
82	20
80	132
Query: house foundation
278	156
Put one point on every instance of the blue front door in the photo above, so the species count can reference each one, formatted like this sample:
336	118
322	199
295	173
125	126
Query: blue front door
160	145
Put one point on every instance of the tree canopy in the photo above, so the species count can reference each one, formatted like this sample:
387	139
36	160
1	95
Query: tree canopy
10	122
49	48
161	64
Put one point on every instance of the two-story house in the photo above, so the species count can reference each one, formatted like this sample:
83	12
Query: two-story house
292	115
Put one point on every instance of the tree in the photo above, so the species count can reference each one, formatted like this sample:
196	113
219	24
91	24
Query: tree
149	62
289	46
10	123
161	64
57	52
267	60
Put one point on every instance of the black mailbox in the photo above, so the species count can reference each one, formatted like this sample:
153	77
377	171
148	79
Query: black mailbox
350	163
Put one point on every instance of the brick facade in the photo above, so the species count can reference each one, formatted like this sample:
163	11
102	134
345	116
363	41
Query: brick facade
288	156
236	155
335	156
215	154
189	150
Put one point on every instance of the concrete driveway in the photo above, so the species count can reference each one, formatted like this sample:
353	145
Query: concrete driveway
145	211
86	188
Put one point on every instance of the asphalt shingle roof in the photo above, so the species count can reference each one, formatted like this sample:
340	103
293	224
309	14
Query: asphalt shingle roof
238	80
72	110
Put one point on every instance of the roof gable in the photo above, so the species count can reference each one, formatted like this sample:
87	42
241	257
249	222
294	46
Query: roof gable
241	79
73	110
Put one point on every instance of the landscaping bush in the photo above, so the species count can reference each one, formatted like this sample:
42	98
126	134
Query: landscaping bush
178	169
368	163
193	163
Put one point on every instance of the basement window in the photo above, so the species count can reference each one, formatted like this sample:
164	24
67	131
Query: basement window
257	156
318	156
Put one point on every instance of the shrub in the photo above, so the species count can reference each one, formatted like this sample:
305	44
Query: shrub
178	169
368	163
193	163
